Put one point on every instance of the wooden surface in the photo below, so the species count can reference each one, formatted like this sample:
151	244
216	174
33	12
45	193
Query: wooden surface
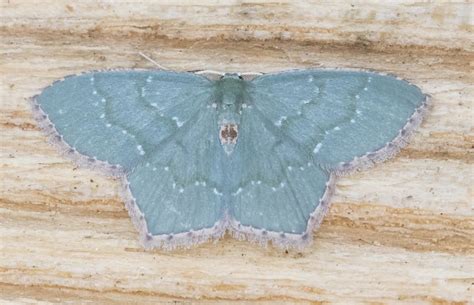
402	232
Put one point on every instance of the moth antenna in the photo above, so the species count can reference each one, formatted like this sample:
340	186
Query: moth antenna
153	62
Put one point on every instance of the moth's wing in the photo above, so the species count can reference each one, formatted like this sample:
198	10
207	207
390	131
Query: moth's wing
299	128
179	189
159	128
276	192
120	117
347	119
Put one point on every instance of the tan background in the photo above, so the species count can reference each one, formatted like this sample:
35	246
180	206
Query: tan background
402	232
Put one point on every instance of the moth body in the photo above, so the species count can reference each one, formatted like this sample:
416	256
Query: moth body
230	98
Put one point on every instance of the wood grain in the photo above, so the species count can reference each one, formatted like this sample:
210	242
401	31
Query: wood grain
400	233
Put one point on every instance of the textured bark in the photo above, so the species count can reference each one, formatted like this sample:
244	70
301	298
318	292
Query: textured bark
401	232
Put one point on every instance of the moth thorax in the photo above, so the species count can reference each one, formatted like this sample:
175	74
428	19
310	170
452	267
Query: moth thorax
228	135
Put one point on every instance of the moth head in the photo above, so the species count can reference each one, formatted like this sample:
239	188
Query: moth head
236	76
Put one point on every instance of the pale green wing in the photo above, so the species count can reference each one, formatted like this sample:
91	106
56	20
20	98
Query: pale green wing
301	127
159	129
340	116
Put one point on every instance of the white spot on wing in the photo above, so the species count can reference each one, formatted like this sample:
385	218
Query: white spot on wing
102	115
140	150
178	122
237	192
217	192
317	148
278	123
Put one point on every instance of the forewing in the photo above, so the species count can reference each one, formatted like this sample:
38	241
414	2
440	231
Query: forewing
338	115
121	116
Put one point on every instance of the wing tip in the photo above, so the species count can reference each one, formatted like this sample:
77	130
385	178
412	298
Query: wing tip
56	140
391	148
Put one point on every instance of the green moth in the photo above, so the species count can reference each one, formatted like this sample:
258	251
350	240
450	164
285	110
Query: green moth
254	156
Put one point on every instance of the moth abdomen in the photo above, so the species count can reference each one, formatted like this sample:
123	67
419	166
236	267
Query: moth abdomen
228	134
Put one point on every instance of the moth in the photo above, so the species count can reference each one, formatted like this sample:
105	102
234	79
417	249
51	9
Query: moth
203	154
